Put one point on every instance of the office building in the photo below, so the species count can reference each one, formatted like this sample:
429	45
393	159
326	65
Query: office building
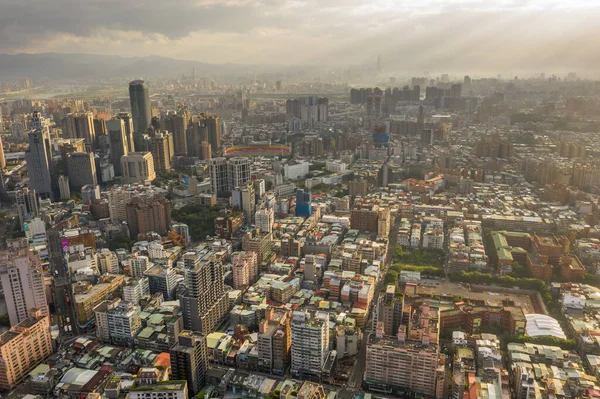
128	125
162	151
205	302
40	165
244	199
177	123
22	279
310	343
408	360
274	341
303	203
81	169
27	204
227	174
63	188
189	360
264	219
148	213
245	269
23	348
138	167
119	146
141	112
80	125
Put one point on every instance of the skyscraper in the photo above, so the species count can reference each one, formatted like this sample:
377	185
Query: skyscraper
81	169
162	150
2	158
22	281
177	123
140	107
40	165
128	123
205	301
118	143
80	125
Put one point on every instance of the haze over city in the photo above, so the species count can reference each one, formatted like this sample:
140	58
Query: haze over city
508	37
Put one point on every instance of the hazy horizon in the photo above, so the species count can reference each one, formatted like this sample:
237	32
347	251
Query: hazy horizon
508	37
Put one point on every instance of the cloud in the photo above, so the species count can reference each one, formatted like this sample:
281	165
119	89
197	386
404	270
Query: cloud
426	35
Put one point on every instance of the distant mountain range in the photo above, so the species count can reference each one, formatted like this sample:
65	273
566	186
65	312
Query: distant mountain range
56	66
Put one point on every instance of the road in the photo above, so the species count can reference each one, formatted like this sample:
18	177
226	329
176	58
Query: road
63	295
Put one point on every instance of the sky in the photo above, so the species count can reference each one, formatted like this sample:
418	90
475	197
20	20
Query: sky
501	35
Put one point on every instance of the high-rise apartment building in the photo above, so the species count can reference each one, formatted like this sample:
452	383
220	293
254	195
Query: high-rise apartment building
245	269
244	199
80	125
2	158
148	213
310	343
162	150
122	320
264	219
274	341
138	265
189	360
177	123
141	112
22	279
27	204
117	139
23	348
227	174
108	262
40	165
358	187
205	151
138	167
205	302
257	241
213	130
81	169
408	360
388	310
118	197
128	124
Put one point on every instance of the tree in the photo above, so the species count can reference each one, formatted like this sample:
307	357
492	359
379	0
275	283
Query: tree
200	395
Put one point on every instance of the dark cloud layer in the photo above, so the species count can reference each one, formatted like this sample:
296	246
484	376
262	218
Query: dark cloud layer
429	35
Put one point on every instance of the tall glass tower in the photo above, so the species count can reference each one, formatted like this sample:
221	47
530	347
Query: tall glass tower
140	106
